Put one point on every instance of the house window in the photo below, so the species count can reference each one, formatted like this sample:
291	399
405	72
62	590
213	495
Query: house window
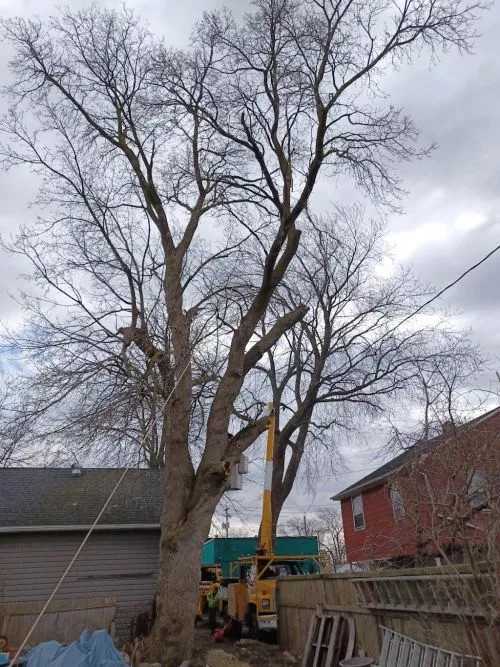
478	491
357	512
397	502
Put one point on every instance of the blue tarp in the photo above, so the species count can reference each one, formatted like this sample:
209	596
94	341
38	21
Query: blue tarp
94	649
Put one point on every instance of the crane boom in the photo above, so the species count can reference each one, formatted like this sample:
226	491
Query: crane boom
265	546
253	599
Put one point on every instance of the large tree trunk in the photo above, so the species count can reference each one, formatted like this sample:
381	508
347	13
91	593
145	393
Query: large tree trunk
283	479
181	545
278	492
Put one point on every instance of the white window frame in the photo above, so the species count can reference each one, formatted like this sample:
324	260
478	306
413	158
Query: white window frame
362	513
397	501
477	489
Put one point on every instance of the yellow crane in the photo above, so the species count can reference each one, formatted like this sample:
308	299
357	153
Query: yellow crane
252	601
265	545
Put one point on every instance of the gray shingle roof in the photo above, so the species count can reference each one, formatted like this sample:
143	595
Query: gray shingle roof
384	470
404	458
35	497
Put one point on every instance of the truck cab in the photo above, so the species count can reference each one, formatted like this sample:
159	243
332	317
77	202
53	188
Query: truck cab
252	600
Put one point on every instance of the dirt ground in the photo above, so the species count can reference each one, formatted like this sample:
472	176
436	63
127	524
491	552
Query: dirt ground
245	650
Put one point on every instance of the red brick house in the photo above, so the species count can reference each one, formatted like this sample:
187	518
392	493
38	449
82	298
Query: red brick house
437	501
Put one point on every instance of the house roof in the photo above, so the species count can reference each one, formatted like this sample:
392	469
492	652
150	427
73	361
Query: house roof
378	475
53	498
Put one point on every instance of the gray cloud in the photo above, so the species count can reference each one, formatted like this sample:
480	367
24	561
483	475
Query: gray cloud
456	104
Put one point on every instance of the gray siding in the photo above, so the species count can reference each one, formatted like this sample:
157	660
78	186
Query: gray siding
120	564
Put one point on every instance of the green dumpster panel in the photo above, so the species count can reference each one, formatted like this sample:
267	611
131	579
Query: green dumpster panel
224	551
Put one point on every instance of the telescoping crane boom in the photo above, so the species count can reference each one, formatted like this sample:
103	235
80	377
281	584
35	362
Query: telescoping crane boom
265	544
253	599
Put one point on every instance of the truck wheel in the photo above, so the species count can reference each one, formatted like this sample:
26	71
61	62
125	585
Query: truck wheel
252	623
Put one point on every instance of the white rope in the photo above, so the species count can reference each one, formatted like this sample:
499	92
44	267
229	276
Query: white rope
90	531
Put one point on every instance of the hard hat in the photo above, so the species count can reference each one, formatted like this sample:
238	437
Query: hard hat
219	635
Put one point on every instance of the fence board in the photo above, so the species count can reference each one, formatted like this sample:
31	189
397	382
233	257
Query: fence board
64	620
405	611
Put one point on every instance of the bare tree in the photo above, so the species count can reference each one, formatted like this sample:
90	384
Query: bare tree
449	494
326	525
443	394
141	150
14	449
332	537
348	356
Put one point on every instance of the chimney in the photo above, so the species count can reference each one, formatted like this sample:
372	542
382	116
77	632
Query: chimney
76	470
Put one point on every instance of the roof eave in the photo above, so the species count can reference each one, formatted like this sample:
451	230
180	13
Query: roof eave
353	490
78	528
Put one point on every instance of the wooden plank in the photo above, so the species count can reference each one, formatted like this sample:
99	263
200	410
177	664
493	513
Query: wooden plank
441	659
386	644
319	641
64	625
333	640
404	655
361	593
428	609
342	594
450	571
347	609
352	636
312	626
429	654
392	659
409	591
22	608
415	657
396	592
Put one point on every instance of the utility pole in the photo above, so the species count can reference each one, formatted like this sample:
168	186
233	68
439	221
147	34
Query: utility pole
305	525
225	525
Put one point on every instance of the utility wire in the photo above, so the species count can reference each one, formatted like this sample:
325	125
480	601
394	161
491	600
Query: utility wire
449	286
91	529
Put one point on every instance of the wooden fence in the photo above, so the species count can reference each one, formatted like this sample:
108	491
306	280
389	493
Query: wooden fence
64	620
437	606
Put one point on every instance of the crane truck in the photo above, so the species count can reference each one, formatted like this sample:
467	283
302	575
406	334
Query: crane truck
252	598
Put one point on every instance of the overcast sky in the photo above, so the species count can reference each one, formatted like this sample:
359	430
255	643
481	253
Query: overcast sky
452	213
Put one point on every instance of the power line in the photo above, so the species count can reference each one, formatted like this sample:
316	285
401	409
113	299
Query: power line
334	475
408	317
217	529
288	510
446	288
239	515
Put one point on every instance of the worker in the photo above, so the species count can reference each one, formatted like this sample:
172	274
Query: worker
213	599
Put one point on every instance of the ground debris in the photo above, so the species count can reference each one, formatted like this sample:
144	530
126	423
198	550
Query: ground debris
247	642
244	652
288	657
219	658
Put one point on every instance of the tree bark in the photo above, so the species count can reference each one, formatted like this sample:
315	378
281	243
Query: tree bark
278	494
184	533
283	480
